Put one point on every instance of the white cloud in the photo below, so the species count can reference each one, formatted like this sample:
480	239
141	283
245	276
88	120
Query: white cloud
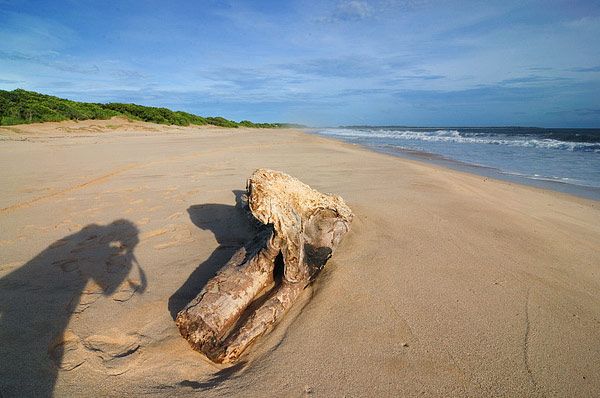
353	9
348	10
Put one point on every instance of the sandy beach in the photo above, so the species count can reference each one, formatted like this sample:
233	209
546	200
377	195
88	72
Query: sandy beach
448	284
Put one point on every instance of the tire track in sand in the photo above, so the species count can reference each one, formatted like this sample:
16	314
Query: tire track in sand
85	184
121	170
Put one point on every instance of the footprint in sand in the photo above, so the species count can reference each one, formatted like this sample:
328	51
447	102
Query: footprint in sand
67	351
126	290
114	352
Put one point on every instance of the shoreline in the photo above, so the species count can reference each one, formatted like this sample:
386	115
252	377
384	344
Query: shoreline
437	161
582	191
448	283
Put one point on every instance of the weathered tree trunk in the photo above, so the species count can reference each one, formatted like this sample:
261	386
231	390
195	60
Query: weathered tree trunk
243	301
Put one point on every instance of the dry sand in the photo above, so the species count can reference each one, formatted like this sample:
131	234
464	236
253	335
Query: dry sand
449	284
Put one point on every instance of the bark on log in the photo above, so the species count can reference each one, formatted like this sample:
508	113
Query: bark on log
244	300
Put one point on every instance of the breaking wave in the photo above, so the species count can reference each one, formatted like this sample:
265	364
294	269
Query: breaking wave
456	136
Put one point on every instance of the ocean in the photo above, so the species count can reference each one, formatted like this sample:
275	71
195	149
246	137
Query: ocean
565	160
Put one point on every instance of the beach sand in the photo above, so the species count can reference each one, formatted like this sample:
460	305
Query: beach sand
449	284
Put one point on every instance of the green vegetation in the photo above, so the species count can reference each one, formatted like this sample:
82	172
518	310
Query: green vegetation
21	106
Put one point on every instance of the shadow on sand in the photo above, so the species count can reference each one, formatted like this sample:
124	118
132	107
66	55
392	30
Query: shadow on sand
38	299
232	227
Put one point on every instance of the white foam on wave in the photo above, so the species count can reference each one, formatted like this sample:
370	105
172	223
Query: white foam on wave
556	179
455	137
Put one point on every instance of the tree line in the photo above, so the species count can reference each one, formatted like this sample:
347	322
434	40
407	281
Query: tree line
21	106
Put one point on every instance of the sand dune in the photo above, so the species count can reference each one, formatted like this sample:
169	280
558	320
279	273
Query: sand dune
448	284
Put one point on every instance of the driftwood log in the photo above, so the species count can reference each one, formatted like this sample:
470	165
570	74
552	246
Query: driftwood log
300	229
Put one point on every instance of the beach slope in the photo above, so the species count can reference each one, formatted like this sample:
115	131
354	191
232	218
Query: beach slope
448	283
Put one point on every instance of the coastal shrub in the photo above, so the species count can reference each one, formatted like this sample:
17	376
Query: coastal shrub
220	121
246	123
21	106
192	119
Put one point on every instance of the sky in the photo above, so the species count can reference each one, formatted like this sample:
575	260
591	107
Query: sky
326	63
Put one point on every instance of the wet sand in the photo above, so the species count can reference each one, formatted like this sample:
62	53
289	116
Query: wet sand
448	283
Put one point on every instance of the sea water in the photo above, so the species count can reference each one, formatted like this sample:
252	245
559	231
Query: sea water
566	160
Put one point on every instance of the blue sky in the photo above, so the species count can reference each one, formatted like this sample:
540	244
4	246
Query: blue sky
407	62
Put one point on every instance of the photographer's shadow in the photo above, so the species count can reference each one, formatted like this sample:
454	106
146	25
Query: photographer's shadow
38	299
232	227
